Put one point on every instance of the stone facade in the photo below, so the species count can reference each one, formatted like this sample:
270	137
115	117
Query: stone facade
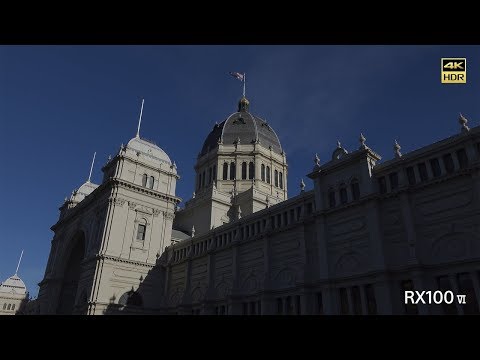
367	232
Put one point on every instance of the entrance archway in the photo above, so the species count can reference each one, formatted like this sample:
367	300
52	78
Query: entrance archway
68	292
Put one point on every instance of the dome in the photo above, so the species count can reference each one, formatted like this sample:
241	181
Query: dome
13	285
244	127
148	149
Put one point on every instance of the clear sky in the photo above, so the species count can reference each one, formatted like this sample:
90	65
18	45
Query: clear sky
59	104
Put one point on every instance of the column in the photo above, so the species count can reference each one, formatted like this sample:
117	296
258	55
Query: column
363	298
454	287
456	164
350	301
429	169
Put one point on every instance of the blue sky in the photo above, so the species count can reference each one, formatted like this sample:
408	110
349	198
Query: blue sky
59	104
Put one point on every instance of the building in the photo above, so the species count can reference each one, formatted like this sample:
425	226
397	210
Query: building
13	294
367	232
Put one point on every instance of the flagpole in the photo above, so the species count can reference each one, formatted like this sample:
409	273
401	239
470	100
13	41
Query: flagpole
244	81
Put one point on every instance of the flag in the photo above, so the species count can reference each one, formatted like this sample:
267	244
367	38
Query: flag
237	76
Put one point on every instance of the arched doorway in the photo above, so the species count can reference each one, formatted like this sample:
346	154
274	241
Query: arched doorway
71	275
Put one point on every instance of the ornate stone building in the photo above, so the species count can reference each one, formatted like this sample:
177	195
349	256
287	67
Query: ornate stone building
367	231
13	295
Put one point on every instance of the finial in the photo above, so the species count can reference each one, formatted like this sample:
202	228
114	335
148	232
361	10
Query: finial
19	261
109	157
91	167
396	149
193	195
239	212
338	144
302	186
362	140
238	140
317	160
463	121
140	120
174	164
193	230
243	104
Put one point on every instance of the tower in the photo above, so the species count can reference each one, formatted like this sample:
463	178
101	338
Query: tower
240	169
109	236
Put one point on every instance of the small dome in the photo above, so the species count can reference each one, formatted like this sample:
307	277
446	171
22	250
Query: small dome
148	149
13	285
83	191
243	126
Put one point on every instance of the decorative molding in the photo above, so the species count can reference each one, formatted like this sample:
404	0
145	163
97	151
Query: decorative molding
157	212
116	201
132	205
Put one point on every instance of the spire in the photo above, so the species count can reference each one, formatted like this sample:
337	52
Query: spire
91	167
140	120
19	261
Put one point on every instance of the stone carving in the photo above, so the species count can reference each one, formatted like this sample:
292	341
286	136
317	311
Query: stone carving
132	205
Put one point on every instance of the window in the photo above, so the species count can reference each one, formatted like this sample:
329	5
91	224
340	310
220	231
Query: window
151	182
268	174
144	180
382	185
251	171
422	169
448	161
4	306
355	189
331	198
465	286
244	170
435	164
280	178
393	180
13	307
319	303
357	301
209	176
371	302
343	301
9	306
444	285
214	177
411	175
343	194
263	172
225	171
276	178
462	158
232	171
410	308
141	232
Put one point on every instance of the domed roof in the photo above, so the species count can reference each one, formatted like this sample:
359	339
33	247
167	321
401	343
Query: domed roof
148	149
244	127
13	285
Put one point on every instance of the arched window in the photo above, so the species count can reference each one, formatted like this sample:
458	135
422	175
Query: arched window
276	178
280	175
151	181
141	230
225	171
343	194
251	171
9	306
4	306
144	180
244	170
331	198
355	189
268	174
13	307
232	171
263	172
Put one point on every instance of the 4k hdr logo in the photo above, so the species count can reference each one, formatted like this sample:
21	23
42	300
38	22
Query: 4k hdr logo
454	71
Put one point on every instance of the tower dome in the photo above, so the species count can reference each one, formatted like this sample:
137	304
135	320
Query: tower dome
244	128
148	149
13	285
